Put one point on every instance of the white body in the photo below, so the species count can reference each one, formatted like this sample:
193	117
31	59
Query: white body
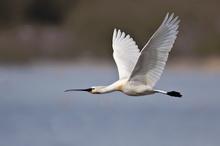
125	86
139	70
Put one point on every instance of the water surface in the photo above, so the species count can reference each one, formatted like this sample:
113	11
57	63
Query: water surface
35	110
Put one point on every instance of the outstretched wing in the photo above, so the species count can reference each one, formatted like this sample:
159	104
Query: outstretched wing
125	53
153	57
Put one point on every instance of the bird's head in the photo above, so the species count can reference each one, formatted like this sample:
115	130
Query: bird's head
92	90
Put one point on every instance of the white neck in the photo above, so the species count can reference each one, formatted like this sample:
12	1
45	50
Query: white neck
116	86
107	89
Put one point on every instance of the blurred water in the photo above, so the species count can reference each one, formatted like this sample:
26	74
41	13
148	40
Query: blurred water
35	110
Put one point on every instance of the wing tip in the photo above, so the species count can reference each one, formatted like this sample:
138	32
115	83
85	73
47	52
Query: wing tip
169	18
116	34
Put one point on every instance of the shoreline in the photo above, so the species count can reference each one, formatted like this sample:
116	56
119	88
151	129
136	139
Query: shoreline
211	64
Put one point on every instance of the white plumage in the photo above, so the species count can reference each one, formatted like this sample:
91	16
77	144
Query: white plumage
140	70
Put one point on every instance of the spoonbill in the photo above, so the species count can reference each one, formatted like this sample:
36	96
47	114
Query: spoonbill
139	70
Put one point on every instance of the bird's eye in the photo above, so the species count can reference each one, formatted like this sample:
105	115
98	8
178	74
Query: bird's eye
93	88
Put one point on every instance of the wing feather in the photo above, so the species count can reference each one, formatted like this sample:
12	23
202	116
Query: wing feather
125	53
154	54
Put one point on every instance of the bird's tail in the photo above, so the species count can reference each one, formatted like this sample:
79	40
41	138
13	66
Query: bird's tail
170	93
174	93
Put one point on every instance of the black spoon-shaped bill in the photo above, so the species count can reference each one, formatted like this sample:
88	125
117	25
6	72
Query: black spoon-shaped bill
88	90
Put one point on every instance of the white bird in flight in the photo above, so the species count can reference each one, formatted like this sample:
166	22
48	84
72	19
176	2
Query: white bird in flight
139	70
